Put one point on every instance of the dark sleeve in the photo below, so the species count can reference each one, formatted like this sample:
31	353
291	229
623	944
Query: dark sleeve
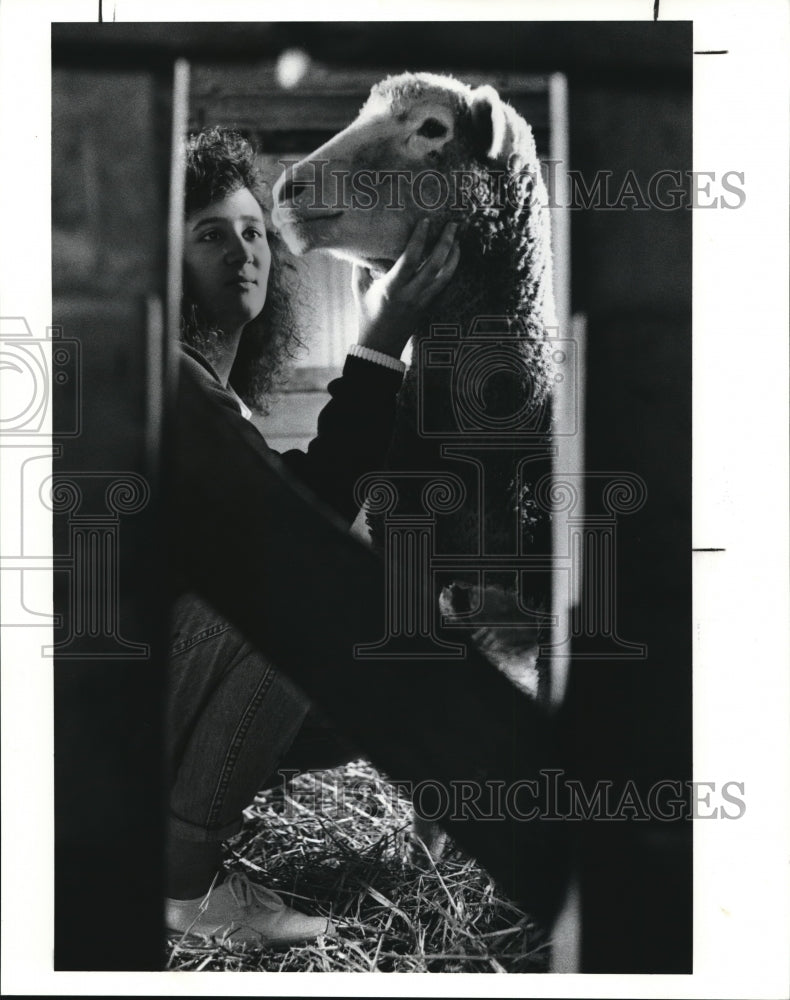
353	435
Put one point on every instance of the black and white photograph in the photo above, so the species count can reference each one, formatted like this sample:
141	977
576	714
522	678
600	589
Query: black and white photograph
394	546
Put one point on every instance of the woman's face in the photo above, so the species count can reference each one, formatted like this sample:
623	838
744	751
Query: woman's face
227	259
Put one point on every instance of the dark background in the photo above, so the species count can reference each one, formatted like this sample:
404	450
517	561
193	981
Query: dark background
630	92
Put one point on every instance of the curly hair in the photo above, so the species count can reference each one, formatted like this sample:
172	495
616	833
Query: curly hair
219	162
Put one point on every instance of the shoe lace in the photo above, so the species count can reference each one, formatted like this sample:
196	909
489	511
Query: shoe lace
249	894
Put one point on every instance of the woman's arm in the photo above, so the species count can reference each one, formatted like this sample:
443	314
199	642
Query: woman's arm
353	434
355	427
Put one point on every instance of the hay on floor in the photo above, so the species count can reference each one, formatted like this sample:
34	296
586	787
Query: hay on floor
336	843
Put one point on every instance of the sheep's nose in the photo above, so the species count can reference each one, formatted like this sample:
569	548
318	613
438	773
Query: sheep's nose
291	191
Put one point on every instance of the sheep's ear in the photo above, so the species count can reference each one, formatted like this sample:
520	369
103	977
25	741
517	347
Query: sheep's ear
489	123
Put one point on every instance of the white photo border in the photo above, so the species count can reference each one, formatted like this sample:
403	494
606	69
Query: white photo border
740	504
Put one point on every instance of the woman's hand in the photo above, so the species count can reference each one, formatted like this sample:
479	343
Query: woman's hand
389	307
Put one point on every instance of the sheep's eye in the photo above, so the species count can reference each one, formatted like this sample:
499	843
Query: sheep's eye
432	128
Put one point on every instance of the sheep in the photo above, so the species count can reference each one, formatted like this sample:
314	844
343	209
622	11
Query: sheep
429	145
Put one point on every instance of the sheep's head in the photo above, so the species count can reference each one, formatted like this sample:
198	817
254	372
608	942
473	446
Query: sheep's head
421	145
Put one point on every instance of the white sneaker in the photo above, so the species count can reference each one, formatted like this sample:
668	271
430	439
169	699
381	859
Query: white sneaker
239	911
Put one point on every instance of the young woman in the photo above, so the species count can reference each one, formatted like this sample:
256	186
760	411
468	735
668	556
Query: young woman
232	718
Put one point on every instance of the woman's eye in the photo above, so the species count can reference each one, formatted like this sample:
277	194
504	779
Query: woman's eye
210	236
432	128
253	233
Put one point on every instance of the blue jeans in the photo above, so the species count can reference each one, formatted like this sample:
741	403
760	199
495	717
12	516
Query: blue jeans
232	721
